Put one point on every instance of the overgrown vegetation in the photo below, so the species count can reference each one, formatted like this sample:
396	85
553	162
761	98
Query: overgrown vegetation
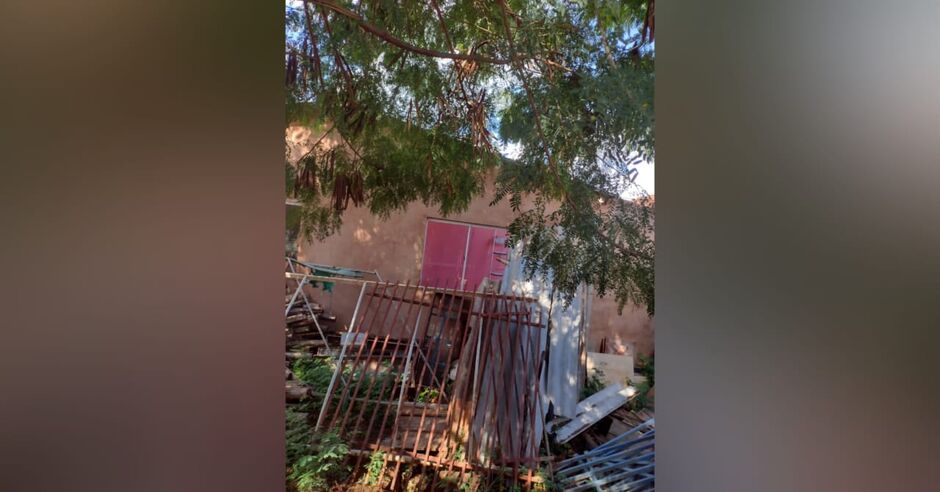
645	367
316	373
374	468
593	383
427	395
315	461
547	484
424	98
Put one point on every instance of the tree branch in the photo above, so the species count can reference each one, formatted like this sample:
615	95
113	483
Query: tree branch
552	163
389	38
312	35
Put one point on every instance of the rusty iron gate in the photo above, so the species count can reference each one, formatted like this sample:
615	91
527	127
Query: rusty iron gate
444	378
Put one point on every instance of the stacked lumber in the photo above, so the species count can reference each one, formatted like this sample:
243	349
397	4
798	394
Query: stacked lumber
298	317
308	330
303	324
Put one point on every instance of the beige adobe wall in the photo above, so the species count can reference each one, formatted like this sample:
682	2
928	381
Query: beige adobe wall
394	248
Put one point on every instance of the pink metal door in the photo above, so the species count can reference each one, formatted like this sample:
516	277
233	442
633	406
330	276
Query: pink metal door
487	245
444	246
462	254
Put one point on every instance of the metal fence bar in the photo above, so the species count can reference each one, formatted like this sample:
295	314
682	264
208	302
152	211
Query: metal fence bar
339	363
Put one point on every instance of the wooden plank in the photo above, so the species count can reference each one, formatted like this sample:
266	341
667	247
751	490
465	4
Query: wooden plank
296	317
594	412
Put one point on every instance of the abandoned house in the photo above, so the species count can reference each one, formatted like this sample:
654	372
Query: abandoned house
420	245
444	355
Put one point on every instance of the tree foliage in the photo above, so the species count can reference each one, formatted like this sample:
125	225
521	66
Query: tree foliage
424	95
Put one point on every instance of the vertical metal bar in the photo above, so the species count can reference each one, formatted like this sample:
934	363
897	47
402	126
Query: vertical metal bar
363	329
293	299
450	357
364	371
497	363
399	330
416	299
516	409
406	373
466	252
518	313
491	398
419	380
467	399
508	393
539	413
404	438
482	344
350	390
339	363
493	368
404	382
313	316
458	399
514	324
534	333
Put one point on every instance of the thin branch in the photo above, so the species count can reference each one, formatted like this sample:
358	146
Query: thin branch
389	38
607	50
311	34
525	85
450	44
538	126
316	144
340	61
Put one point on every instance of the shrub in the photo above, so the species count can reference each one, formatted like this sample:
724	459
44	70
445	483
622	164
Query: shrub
374	469
315	461
593	384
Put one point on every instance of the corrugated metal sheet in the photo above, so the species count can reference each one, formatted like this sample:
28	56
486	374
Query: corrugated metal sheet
562	383
625	463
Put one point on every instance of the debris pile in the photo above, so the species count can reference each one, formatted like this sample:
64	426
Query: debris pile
435	388
444	378
307	324
625	463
